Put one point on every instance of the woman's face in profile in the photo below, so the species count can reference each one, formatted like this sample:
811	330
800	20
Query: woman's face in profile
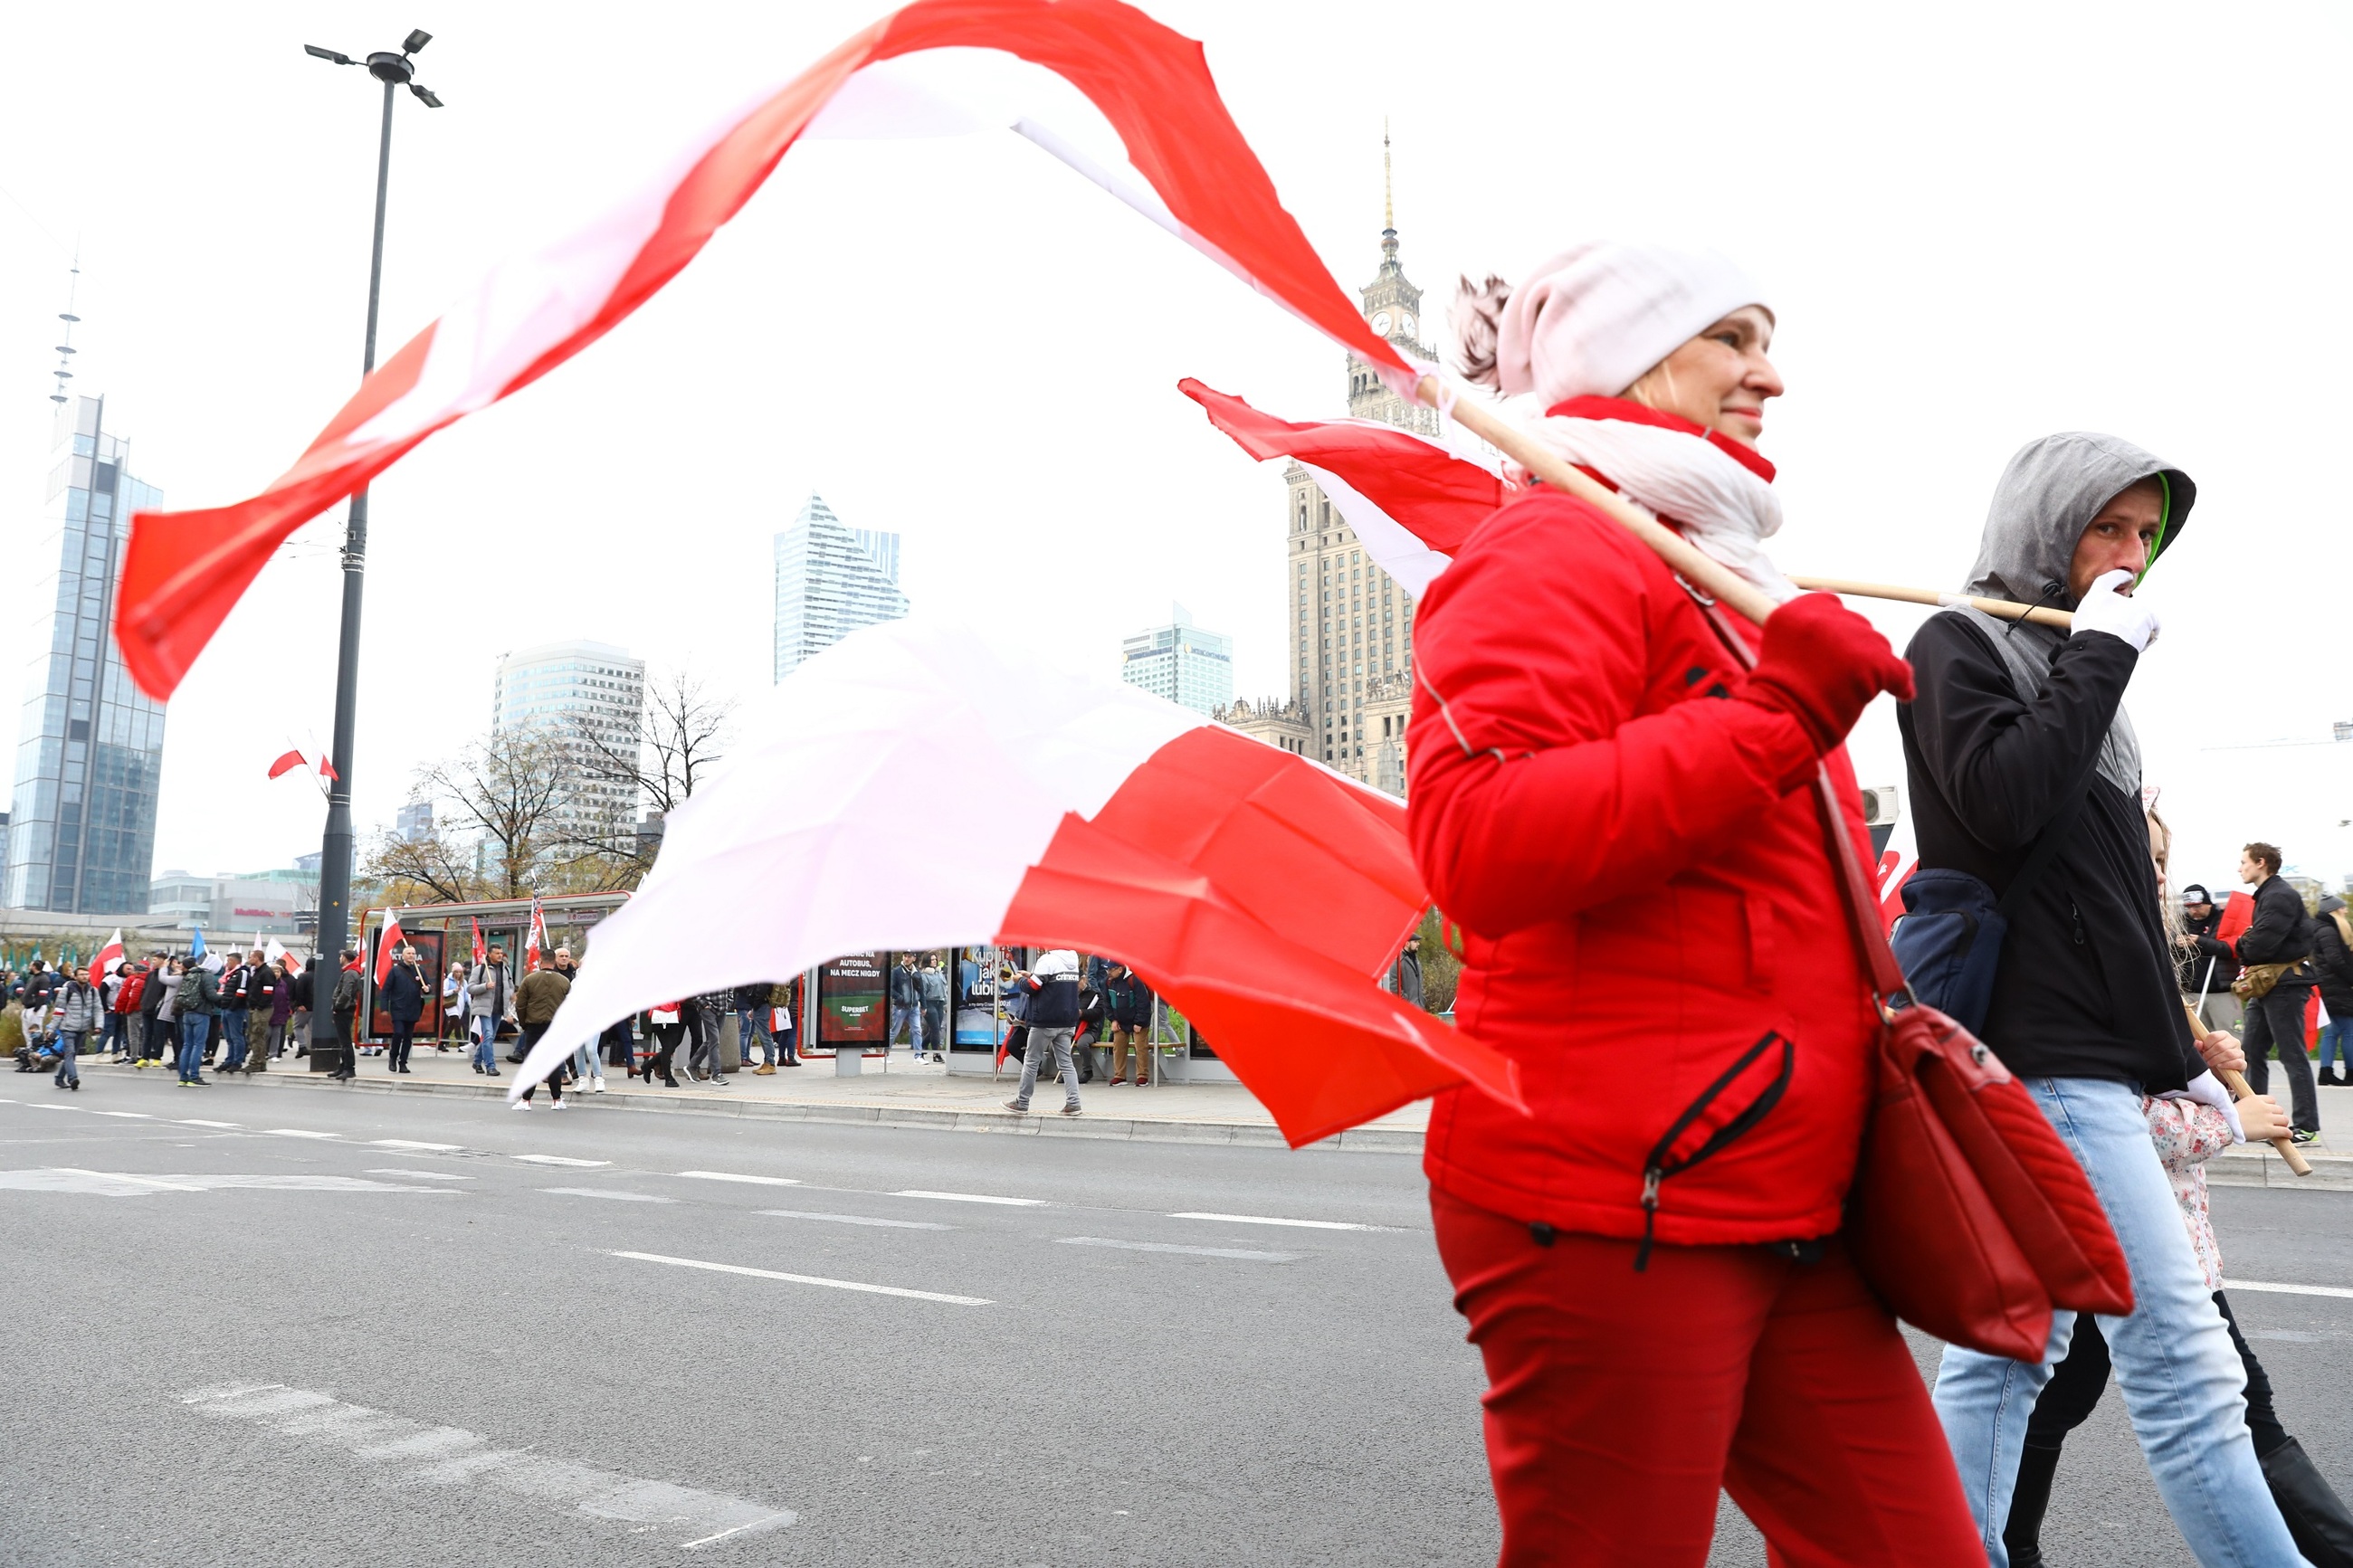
1719	379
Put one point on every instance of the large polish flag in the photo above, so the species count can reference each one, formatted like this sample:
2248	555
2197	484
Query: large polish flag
936	67
917	786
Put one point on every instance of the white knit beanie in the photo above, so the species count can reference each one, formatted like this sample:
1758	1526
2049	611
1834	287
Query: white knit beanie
1592	319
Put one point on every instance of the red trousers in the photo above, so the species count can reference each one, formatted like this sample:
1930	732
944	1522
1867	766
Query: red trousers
1619	1404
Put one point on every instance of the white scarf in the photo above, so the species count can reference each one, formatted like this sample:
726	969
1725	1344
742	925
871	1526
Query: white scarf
1720	506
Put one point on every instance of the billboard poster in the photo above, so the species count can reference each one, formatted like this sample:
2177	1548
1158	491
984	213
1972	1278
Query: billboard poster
851	1001
973	972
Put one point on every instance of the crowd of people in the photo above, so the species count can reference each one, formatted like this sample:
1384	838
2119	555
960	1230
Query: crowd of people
195	1010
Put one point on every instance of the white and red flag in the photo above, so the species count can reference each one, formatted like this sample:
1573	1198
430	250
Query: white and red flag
915	786
534	940
109	957
932	68
481	955
275	951
387	946
288	762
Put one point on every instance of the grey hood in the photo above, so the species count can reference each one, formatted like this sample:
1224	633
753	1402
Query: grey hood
2053	487
2046	496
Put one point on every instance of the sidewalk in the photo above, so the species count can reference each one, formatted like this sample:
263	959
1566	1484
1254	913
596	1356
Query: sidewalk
907	1095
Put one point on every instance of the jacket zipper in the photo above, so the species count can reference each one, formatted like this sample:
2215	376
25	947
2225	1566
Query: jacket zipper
1661	1164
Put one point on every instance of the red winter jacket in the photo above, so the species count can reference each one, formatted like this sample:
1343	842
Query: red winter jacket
1644	896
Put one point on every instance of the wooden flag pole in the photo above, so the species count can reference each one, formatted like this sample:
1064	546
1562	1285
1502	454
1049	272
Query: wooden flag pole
2007	609
1701	570
2237	1085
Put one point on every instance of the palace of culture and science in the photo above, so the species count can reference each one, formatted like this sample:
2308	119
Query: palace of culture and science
1351	638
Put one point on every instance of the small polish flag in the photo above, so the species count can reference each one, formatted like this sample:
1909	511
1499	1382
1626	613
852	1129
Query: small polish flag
481	955
288	763
1263	895
109	957
387	946
536	942
276	950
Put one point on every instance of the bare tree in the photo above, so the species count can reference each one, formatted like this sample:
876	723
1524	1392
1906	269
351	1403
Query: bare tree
506	792
684	731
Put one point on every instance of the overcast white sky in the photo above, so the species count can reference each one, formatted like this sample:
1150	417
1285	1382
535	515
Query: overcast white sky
1978	225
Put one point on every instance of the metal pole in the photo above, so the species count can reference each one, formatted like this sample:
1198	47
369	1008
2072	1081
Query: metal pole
328	1053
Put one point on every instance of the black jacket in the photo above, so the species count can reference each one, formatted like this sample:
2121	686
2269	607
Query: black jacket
2281	931
1053	1001
232	988
1131	1000
402	995
2332	962
2192	965
2087	986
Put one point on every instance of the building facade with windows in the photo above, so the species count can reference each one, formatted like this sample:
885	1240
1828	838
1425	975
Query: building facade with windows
1351	626
832	579
89	747
1181	662
579	694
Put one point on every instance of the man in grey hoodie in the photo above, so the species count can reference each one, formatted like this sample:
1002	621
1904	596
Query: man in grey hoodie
2019	730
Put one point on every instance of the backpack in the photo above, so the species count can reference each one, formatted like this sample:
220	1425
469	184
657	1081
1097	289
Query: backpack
191	995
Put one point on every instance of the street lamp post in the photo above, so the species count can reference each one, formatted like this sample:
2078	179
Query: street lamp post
329	1052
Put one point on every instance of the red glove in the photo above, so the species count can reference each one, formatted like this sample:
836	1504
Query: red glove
1821	665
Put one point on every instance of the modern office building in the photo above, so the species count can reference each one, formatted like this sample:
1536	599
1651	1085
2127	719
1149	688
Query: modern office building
414	821
1181	662
587	697
89	748
230	906
830	580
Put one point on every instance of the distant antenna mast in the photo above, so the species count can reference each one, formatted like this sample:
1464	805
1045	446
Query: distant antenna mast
64	372
1389	205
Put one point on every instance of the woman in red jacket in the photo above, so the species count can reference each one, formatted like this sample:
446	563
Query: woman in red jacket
1616	814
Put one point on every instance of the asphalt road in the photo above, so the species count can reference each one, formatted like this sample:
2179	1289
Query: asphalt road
244	1344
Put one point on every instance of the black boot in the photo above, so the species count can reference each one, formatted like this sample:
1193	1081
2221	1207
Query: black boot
2023	1533
2315	1515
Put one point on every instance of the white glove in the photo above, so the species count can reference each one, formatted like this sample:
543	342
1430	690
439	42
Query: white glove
2105	609
2206	1089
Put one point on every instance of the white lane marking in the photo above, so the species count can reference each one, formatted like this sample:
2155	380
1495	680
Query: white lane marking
124	1184
135	1115
295	1133
452	1456
808	1279
152	1182
607	1192
1171	1247
736	1176
970	1198
856	1219
427	1175
199	1122
559	1159
36	1105
2287	1289
1270	1219
401	1144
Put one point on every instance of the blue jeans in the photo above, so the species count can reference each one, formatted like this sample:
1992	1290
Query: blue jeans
750	1026
233	1022
69	1050
194	1032
2337	1043
486	1042
2184	1386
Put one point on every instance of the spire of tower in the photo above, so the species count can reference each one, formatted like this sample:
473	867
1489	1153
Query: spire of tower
1388	203
66	348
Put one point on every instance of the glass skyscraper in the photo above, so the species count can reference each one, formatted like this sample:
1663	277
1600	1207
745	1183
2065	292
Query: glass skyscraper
90	752
830	581
1181	662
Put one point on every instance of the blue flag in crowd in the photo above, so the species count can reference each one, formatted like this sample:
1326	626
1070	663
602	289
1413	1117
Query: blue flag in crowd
196	948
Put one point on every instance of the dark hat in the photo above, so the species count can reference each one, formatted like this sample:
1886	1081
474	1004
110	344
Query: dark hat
2196	893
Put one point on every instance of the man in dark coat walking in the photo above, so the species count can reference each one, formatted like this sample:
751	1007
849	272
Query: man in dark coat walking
2280	933
2332	968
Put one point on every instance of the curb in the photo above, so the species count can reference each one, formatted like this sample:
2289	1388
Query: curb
2262	1167
1002	1124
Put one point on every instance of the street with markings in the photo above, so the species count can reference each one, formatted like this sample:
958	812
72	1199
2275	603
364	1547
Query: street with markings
311	1325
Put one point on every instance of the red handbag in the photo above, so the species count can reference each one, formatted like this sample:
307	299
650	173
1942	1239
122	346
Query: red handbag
1967	1214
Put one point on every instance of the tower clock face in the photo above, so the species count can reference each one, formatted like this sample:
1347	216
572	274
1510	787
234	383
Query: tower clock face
1381	323
1405	323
